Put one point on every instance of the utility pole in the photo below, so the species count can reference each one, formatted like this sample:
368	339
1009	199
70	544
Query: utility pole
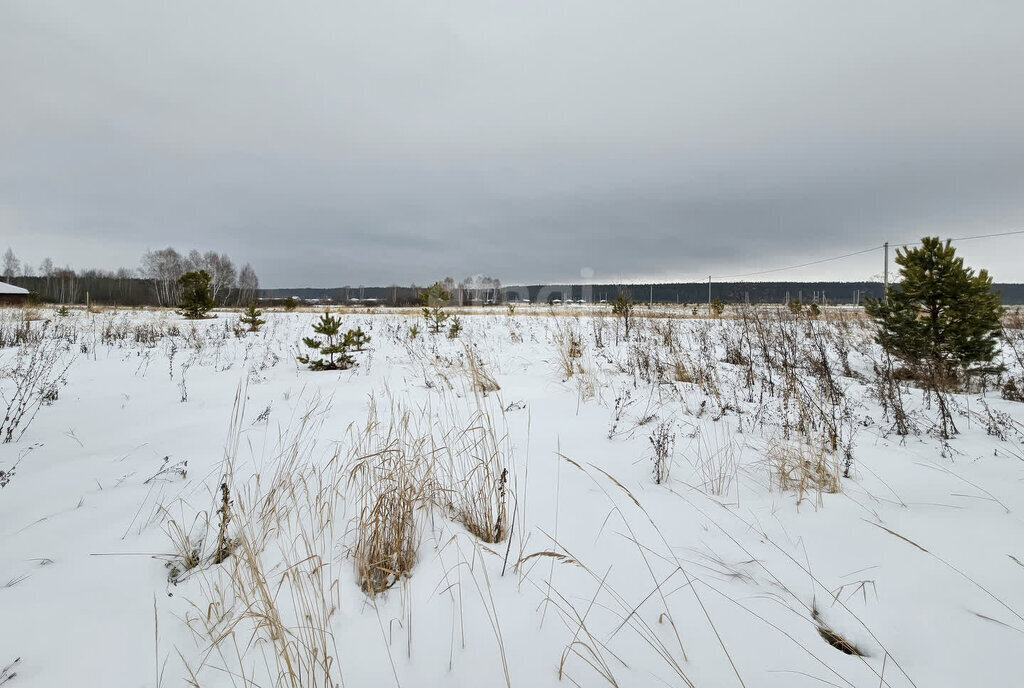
709	294
885	275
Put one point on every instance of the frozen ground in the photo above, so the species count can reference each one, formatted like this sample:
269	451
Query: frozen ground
718	576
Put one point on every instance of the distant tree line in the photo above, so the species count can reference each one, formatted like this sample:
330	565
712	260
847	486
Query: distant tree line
468	292
727	292
154	283
477	289
697	292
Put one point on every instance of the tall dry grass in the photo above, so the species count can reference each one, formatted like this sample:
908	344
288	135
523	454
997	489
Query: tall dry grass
805	468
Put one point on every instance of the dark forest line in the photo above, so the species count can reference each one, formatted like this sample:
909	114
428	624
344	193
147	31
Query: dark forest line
672	292
71	288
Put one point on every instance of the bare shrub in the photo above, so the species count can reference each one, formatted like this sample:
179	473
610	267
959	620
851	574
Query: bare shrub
663	440
224	542
34	378
887	390
597	326
1013	389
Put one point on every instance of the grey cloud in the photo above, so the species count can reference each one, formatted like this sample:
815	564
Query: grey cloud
381	142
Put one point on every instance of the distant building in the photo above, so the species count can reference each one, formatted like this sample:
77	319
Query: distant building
11	295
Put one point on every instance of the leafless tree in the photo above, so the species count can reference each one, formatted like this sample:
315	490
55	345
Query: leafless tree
164	267
223	276
481	287
222	272
248	285
11	265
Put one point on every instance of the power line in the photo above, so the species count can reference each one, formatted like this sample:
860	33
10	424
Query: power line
801	265
968	238
861	252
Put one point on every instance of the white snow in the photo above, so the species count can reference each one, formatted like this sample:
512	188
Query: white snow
917	561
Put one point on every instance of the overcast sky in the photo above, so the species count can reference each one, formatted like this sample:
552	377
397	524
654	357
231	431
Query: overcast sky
375	142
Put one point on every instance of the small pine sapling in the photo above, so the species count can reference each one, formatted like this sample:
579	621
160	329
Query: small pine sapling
433	300
333	346
455	328
356	339
251	317
623	307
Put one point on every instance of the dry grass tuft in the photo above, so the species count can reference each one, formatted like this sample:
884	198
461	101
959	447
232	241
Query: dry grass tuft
717	459
804	468
570	350
392	476
833	638
478	375
187	550
387	535
474	465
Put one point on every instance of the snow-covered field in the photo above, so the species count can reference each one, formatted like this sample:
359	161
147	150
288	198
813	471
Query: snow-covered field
756	561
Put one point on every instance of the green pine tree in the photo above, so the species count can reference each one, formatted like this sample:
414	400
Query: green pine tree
455	328
942	319
251	317
196	300
622	306
433	300
357	339
332	345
